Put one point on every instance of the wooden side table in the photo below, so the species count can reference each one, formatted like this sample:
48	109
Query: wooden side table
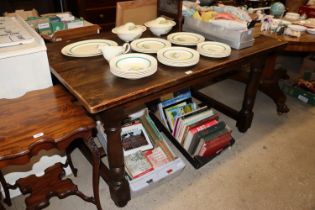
43	120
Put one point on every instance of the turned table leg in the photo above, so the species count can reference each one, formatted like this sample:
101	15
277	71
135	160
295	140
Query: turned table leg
245	116
270	83
118	185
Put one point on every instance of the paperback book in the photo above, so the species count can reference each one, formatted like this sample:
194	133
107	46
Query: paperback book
135	138
136	164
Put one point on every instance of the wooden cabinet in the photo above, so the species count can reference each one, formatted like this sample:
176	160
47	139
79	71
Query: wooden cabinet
101	12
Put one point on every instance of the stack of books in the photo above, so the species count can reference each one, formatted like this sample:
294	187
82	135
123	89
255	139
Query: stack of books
197	129
144	147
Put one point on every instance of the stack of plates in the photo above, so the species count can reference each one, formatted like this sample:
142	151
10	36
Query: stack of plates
185	38
86	48
149	45
214	49
133	65
178	56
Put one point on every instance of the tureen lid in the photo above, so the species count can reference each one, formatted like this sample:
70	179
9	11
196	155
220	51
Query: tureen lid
160	22
129	28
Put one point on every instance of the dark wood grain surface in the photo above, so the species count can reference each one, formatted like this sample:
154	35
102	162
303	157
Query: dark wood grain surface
305	43
91	81
52	109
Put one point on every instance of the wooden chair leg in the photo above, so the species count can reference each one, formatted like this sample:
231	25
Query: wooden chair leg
4	184
70	163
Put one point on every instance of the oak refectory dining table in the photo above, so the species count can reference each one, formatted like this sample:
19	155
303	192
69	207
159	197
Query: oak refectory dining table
110	98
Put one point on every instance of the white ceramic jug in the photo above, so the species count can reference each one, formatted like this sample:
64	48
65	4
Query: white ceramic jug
110	52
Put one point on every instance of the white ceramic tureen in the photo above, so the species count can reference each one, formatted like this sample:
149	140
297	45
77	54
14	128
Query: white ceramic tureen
129	31
160	26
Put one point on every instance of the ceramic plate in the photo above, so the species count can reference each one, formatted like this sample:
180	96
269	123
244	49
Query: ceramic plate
214	49
149	45
86	48
178	56
185	38
297	28
133	65
311	31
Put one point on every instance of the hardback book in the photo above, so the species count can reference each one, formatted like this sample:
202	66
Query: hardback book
179	119
136	164
215	145
183	97
192	131
135	138
156	157
186	121
203	133
197	126
176	111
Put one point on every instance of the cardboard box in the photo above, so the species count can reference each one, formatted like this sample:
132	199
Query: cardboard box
237	39
23	14
299	93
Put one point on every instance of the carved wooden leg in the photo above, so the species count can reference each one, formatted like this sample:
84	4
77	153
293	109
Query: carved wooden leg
4	184
118	185
96	170
70	163
270	83
246	114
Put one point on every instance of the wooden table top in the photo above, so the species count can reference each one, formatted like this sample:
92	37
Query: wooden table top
39	117
305	43
92	83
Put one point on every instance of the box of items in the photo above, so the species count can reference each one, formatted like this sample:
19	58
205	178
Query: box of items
237	39
303	89
149	160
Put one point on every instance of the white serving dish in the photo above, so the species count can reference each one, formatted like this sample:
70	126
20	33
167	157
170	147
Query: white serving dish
129	31
214	49
86	48
178	56
311	30
292	16
149	45
133	65
160	26
297	28
185	38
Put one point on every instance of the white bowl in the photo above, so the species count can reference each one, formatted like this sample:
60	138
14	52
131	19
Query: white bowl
129	31
160	26
292	16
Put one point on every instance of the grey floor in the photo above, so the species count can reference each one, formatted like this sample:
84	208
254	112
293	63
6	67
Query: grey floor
270	167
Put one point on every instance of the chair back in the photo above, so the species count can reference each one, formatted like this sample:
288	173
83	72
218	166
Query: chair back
138	11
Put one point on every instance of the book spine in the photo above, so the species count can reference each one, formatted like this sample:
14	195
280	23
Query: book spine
199	128
149	130
215	145
176	99
203	133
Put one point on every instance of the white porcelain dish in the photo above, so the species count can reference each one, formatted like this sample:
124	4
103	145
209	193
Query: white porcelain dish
86	48
129	31
149	45
297	28
311	30
178	56
133	66
160	26
214	49
185	38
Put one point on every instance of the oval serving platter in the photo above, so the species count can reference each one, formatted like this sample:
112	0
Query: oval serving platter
86	48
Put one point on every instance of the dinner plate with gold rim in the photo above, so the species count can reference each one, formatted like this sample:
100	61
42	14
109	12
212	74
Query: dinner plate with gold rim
86	48
149	45
185	38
